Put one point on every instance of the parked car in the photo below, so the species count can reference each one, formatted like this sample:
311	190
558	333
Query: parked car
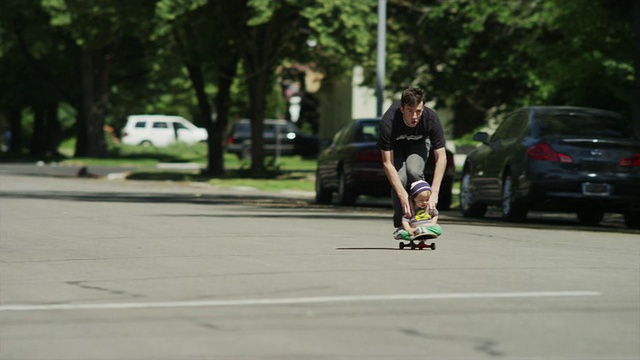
570	159
161	130
352	166
291	140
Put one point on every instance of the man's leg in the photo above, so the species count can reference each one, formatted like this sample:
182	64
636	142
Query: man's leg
410	166
401	167
415	168
416	159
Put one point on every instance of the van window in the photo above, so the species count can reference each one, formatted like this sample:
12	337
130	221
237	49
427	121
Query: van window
160	125
141	124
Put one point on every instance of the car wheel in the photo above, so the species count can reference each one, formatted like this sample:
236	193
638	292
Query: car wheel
323	196
512	209
590	217
467	205
146	143
346	195
632	219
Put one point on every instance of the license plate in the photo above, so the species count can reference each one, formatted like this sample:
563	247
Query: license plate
596	189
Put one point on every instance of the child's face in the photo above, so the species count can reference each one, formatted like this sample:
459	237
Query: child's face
421	199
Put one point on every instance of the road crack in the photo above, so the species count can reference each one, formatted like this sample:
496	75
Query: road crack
83	285
485	346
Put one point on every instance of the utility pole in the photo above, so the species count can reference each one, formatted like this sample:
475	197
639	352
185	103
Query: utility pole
381	63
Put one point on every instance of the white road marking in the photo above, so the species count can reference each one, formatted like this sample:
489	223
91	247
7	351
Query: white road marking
295	301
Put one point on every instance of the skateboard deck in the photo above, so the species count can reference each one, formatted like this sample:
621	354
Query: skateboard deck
419	242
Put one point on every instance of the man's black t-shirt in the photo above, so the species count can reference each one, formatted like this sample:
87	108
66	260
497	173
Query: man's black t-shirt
395	134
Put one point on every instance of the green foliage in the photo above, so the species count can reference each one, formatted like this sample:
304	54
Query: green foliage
97	24
177	152
171	10
262	11
474	57
584	57
343	34
290	181
478	57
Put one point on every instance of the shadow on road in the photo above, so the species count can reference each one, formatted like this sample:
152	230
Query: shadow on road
367	248
278	206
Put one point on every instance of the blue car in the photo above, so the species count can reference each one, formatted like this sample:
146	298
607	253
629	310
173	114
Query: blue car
568	159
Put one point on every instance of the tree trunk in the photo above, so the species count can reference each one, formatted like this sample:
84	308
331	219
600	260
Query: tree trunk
81	132
52	129
257	106
95	96
15	125
38	137
46	131
204	108
217	129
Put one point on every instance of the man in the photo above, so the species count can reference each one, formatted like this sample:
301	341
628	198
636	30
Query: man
407	131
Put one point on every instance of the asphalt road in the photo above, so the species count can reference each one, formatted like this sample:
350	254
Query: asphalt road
112	269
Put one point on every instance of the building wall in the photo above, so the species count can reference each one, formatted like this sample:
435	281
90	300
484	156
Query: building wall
364	98
344	99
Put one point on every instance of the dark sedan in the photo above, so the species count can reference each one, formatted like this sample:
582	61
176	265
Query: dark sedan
568	159
352	166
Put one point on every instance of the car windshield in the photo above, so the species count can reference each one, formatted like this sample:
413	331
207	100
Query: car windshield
368	132
584	124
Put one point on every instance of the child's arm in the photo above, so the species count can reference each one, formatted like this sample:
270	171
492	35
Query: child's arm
407	227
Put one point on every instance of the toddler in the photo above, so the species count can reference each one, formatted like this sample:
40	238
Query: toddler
422	221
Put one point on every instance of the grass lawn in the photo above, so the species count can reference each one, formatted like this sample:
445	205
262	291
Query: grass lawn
289	173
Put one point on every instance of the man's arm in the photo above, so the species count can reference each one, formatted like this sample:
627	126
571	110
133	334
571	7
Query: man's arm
440	156
396	184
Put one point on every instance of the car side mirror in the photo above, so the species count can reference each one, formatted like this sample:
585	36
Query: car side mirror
482	137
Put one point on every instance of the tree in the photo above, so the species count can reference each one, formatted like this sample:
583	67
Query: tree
259	29
584	56
98	32
118	51
478	56
267	32
469	56
208	54
31	59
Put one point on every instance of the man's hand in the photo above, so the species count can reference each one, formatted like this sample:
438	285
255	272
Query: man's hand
407	209
432	203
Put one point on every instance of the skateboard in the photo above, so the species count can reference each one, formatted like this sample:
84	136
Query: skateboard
418	242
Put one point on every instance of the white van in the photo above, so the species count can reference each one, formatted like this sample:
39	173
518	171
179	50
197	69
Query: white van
161	130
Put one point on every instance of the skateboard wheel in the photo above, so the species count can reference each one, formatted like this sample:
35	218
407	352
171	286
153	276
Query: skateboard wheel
401	245
433	246
413	246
